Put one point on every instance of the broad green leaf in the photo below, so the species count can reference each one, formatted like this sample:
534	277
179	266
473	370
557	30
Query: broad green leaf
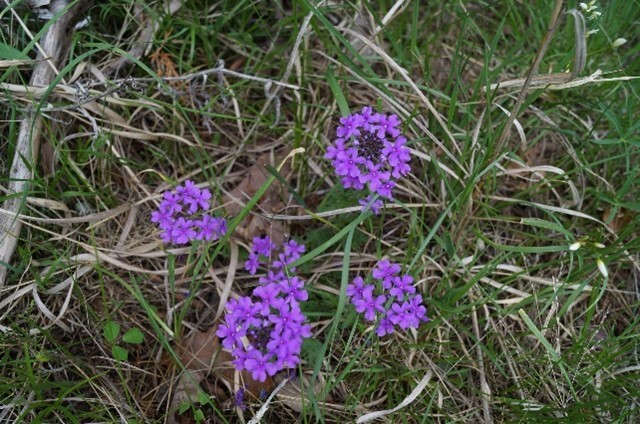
111	331
203	397
133	336
119	353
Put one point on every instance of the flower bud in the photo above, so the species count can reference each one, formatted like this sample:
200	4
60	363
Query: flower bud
602	268
618	42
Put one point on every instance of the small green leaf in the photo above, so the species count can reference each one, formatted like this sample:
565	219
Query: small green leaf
119	353
11	53
111	331
198	415
203	397
133	336
183	407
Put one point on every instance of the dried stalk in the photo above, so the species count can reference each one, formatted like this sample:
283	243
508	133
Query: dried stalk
53	50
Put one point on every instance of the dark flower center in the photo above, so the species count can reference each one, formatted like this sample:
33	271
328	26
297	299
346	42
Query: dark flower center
261	336
370	147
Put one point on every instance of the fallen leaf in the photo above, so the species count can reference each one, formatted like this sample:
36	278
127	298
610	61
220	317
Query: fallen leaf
621	220
271	202
48	158
294	394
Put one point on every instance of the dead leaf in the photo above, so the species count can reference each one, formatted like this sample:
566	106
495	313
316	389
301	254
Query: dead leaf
48	158
294	393
271	202
203	358
618	222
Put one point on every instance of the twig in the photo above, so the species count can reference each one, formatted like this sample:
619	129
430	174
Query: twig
220	69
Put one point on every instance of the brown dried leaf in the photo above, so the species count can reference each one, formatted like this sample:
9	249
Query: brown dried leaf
294	393
620	221
203	357
271	202
48	158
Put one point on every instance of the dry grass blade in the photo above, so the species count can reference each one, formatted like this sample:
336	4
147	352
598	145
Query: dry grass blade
407	401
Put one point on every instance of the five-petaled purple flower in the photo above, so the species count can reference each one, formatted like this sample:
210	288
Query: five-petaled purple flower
370	151
178	217
270	319
406	311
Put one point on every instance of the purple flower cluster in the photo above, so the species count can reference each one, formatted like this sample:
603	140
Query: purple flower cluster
407	310
178	216
264	331
370	151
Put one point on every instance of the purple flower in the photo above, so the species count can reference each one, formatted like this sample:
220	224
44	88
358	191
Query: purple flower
352	182
272	277
183	231
355	290
388	125
176	216
230	335
370	118
350	126
332	151
370	151
263	246
210	228
407	311
252	263
368	202
417	309
385	189
248	312
197	199
402	285
369	305
375	177
260	365
293	290
171	203
347	163
293	250
396	152
238	399
385	270
400	316
270	318
384	327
